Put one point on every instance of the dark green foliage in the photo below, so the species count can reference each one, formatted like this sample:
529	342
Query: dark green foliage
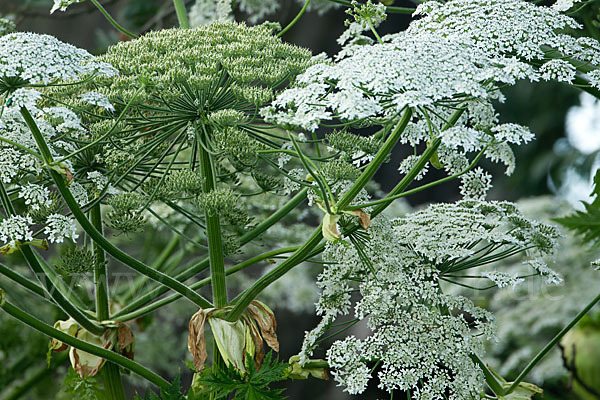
82	389
230	383
586	223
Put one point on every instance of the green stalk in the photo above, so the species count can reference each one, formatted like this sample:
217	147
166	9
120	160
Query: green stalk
538	357
213	227
58	297
95	235
112	20
22	281
490	378
390	9
82	345
162	302
181	14
202	264
280	34
110	372
244	299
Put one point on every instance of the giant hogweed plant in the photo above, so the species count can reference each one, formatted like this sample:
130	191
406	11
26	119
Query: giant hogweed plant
190	128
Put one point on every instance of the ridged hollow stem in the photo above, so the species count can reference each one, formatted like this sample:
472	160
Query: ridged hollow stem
111	356
96	236
181	14
213	224
112	378
244	299
203	264
169	299
59	298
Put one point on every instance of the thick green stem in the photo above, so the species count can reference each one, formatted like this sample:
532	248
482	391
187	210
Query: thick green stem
213	228
59	298
112	378
81	345
551	344
203	264
181	13
95	235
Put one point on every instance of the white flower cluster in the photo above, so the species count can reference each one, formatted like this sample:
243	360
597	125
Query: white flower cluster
465	228
16	228
36	196
454	55
419	336
97	99
58	227
205	12
564	5
63	4
39	58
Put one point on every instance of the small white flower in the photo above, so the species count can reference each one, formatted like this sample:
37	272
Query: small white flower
58	227
15	228
475	184
97	99
36	196
63	4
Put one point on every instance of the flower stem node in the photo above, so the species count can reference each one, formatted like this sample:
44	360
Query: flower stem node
235	340
12	248
315	368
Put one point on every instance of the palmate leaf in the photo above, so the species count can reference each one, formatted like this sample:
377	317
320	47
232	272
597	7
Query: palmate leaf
230	383
586	223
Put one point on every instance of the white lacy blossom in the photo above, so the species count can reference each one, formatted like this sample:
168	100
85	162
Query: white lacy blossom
559	70
62	5
58	227
101	182
79	193
35	196
64	120
475	184
408	163
205	12
43	59
594	77
502	279
25	98
564	5
97	99
15	228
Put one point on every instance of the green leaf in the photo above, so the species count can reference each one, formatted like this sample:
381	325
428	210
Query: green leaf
173	392
253	385
585	223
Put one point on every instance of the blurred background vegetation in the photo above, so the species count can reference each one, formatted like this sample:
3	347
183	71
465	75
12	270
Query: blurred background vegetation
551	165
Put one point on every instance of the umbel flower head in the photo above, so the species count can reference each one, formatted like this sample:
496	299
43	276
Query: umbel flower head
34	58
421	338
